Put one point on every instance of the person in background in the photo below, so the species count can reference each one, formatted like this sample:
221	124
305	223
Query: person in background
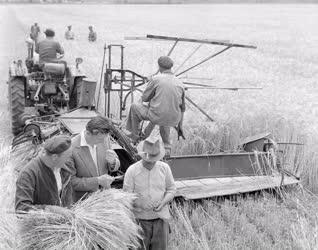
35	30
48	49
165	96
30	45
152	181
92	36
69	34
92	158
45	182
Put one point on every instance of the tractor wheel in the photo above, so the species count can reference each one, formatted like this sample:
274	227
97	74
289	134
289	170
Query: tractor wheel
17	104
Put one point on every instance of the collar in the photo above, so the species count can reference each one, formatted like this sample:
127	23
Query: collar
167	71
83	142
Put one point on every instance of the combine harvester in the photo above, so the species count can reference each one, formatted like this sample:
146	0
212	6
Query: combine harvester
254	167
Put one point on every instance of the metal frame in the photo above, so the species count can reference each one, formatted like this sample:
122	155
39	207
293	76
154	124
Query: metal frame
132	83
128	80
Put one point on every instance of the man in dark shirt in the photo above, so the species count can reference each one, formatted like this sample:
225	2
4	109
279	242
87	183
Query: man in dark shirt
48	49
44	183
165	96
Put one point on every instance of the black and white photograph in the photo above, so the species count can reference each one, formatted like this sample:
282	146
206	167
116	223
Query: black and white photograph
158	124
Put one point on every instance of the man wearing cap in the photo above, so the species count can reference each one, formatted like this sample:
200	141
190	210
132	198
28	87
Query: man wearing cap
92	158
48	49
152	181
165	96
69	34
44	183
92	36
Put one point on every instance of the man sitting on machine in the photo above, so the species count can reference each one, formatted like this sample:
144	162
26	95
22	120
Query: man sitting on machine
48	49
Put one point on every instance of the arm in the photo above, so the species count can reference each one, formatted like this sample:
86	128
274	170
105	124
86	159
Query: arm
24	196
128	181
170	189
150	91
182	108
81	183
59	49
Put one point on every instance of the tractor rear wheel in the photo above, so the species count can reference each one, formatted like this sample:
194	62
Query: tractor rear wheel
17	104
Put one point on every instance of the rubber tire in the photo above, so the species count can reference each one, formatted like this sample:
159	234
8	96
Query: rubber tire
17	104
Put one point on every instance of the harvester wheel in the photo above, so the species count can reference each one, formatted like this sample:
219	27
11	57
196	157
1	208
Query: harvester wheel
17	104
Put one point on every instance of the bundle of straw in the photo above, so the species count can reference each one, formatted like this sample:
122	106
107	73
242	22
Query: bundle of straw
102	221
8	230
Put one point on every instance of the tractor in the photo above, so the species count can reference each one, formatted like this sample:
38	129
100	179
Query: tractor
41	90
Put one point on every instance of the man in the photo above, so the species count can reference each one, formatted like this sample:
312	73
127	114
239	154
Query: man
69	34
152	181
166	105
92	158
35	30
48	49
44	183
92	36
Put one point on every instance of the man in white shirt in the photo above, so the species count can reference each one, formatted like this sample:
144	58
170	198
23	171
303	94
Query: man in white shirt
152	181
69	34
92	158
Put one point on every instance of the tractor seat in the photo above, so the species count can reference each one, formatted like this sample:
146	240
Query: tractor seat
54	68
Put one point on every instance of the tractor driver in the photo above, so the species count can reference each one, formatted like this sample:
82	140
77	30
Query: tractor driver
166	104
48	49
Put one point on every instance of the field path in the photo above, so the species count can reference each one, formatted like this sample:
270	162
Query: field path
12	47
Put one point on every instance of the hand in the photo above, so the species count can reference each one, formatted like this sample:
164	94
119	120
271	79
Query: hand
112	160
59	210
158	208
105	180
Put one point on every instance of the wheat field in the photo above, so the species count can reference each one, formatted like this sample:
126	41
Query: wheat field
285	65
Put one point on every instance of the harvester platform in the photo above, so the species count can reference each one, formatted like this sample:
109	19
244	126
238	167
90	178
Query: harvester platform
213	187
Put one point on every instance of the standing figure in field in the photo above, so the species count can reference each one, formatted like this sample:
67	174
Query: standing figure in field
92	158
92	36
35	30
166	104
69	34
152	181
30	45
45	182
48	49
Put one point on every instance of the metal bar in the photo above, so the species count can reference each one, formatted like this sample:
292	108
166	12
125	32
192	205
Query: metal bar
204	60
182	39
198	84
197	78
291	143
191	54
129	71
101	76
122	75
143	38
233	89
172	48
200	109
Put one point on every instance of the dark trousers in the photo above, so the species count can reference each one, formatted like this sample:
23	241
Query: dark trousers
155	234
138	113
